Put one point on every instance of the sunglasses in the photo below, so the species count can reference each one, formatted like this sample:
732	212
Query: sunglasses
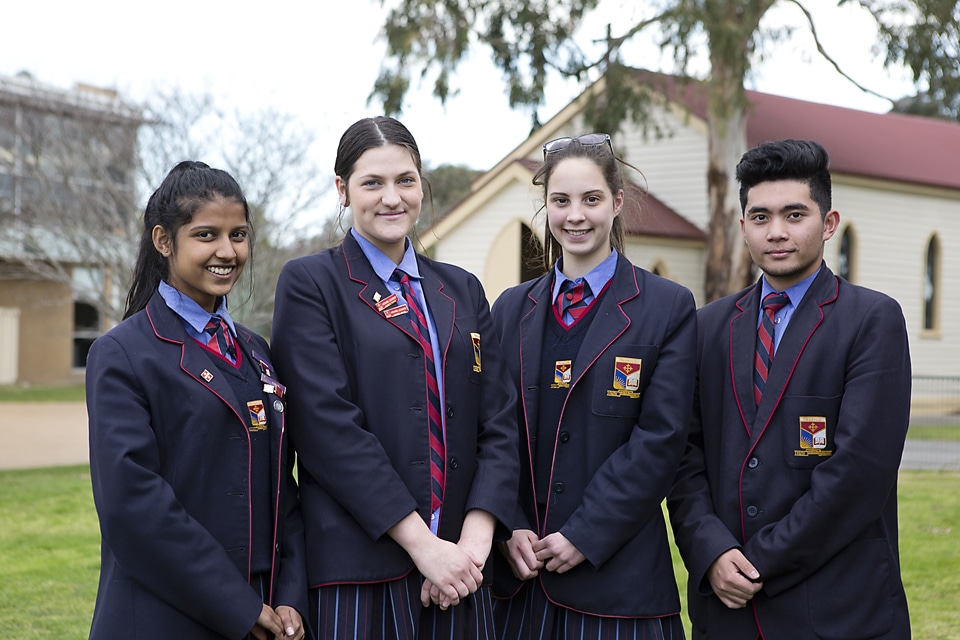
587	140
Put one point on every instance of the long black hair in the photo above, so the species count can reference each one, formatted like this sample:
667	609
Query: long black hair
188	187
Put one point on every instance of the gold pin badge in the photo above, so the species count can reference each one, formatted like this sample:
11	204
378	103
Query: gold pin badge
206	375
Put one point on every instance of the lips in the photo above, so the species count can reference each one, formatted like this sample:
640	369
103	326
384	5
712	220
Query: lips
576	233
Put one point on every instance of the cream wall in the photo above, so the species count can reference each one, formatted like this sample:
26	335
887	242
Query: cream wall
892	230
682	262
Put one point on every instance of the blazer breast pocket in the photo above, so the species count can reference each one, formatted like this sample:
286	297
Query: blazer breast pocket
621	376
807	429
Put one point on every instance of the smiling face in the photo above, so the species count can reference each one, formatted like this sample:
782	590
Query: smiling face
209	253
385	193
785	232
580	213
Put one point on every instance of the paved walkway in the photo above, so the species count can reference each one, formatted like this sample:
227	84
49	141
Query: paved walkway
46	434
42	434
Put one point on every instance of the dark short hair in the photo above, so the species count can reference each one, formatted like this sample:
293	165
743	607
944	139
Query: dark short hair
801	160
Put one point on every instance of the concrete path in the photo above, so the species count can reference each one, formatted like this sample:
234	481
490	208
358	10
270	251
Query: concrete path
42	434
46	434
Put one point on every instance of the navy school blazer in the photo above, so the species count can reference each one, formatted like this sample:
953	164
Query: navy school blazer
170	464
357	405
616	451
805	483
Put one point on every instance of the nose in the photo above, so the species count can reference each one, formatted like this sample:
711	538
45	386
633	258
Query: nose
777	229
225	248
575	213
391	196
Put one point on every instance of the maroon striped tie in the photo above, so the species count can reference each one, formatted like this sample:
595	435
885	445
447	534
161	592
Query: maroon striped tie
220	339
422	332
571	299
772	303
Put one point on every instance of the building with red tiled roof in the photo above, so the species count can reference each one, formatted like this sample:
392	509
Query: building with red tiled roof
895	183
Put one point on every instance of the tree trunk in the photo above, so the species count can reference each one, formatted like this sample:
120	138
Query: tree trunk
725	271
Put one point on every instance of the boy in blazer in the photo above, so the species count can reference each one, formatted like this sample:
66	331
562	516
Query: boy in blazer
785	505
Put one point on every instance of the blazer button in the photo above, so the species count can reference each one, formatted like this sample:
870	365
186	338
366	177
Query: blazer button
449	411
453	463
564	436
754	463
752	511
558	487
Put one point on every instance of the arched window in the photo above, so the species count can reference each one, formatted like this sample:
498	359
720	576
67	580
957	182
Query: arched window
846	268
931	285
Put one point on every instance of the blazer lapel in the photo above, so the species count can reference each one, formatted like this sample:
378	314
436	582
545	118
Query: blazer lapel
600	335
442	307
370	289
743	348
194	361
804	322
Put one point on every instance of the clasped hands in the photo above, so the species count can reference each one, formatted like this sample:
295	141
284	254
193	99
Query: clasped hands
528	554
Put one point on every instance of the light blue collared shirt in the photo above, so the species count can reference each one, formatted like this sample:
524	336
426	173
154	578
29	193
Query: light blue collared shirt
597	279
384	268
782	317
194	317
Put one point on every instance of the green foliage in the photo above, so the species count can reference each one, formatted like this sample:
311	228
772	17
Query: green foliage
924	36
448	185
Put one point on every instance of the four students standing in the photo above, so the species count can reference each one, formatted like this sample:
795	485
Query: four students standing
427	429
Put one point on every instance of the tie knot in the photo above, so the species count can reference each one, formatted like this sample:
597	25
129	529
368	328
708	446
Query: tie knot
400	276
212	325
775	300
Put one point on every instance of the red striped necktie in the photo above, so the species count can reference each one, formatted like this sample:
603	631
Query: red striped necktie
418	322
571	299
220	339
772	303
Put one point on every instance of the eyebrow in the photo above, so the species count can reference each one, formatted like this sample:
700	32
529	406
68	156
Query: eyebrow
793	206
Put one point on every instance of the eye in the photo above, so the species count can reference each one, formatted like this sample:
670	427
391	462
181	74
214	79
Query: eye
205	235
594	199
559	200
370	183
795	215
407	181
240	234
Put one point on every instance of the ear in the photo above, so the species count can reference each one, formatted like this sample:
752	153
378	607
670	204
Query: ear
342	191
831	222
162	241
618	203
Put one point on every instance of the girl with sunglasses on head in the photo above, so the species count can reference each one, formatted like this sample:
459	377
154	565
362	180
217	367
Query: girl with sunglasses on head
201	531
402	416
602	353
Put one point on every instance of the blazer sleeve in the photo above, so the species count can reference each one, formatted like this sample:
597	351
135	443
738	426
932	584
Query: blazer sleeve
849	490
629	487
326	424
153	538
700	535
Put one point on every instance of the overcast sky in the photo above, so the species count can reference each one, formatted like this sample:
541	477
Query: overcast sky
318	59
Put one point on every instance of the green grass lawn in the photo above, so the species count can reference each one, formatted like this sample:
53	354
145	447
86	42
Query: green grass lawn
62	393
49	552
